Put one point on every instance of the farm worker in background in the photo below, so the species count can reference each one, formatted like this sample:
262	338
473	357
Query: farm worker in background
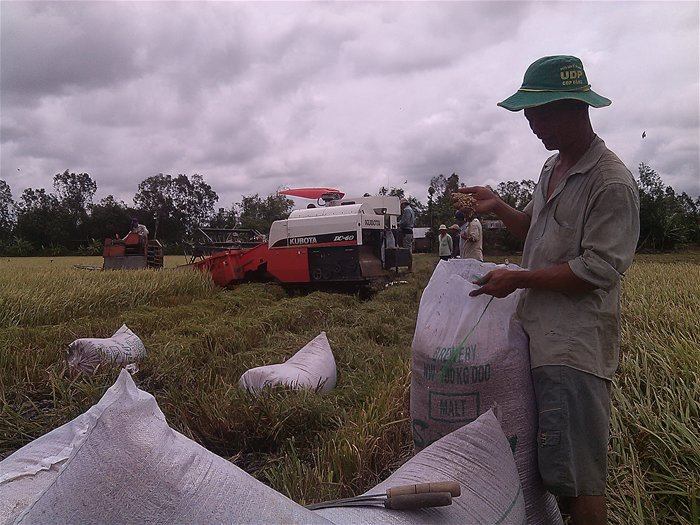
407	221
580	232
136	227
463	225
444	243
471	246
454	233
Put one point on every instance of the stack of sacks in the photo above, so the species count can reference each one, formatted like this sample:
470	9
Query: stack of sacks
120	462
312	367
123	348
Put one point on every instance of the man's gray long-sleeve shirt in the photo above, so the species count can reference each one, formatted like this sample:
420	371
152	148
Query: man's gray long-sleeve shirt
407	219
591	222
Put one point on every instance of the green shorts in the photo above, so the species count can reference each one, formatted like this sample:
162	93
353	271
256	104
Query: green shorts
574	426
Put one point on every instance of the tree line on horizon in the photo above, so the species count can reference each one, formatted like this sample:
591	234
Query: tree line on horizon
67	221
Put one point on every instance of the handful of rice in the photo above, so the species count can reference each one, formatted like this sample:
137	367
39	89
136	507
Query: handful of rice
463	200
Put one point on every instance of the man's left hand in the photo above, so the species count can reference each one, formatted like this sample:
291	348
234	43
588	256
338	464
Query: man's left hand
499	283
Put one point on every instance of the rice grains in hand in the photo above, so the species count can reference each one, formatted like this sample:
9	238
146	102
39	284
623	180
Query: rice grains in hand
463	200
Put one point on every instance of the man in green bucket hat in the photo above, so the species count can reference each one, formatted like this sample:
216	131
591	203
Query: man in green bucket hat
580	232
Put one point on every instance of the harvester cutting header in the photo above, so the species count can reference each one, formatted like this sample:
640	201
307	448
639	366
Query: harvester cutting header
343	240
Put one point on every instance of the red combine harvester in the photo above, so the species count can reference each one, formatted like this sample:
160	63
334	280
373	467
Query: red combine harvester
230	255
341	241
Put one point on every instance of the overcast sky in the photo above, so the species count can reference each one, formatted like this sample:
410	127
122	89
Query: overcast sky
257	96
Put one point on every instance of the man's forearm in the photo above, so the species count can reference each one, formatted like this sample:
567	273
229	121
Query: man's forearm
559	278
517	222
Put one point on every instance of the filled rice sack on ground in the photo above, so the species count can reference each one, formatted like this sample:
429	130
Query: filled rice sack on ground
478	457
125	464
26	473
312	367
123	348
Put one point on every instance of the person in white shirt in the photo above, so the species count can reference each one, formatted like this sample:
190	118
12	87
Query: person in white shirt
471	237
136	227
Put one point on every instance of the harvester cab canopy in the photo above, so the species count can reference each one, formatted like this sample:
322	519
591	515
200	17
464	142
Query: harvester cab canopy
328	224
380	204
322	195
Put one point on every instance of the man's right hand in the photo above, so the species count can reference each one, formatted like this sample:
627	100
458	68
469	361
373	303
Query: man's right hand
499	283
486	199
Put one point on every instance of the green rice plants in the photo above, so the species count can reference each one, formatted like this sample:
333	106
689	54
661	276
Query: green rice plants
31	296
655	445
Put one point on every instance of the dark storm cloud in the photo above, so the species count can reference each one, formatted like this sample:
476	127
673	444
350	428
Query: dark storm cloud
51	47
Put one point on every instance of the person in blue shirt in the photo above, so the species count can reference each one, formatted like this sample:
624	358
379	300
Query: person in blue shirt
407	221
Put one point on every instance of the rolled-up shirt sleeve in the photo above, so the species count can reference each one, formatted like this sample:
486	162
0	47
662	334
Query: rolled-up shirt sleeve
610	235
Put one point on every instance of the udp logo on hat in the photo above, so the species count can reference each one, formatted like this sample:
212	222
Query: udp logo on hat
573	74
554	78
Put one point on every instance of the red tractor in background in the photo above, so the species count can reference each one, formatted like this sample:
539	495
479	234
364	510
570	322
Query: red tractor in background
132	253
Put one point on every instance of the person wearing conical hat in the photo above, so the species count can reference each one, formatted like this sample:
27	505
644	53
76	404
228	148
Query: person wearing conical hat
580	231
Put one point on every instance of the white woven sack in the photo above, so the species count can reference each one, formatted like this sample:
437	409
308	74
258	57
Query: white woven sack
124	347
468	354
25	474
129	466
312	367
478	457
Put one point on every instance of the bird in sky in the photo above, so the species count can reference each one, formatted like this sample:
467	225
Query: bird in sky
644	134
406	181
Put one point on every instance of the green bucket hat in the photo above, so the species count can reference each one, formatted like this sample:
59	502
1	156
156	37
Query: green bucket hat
554	78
